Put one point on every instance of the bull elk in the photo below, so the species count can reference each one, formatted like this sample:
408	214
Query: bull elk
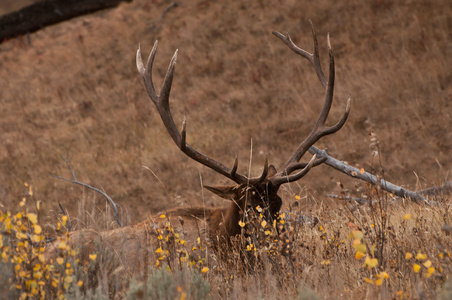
134	244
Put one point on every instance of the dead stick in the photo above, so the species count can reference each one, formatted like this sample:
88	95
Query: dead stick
372	179
75	181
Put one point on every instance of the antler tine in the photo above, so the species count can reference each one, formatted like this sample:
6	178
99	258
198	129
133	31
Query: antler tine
146	72
329	101
319	129
168	81
313	58
299	166
162	103
183	143
234	168
329	89
278	180
261	178
139	61
316	61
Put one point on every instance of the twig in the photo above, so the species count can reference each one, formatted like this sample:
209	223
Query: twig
446	188
75	181
372	179
157	28
167	9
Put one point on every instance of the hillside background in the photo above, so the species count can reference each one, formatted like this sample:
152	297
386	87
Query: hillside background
72	89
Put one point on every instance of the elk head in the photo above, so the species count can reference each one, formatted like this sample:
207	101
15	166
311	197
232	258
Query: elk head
250	191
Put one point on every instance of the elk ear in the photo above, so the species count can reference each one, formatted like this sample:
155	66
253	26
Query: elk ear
228	192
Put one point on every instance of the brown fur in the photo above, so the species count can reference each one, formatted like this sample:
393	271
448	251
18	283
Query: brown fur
134	246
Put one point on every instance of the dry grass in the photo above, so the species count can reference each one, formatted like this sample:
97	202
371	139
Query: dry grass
75	91
388	249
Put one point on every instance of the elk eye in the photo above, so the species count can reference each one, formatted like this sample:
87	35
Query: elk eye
253	193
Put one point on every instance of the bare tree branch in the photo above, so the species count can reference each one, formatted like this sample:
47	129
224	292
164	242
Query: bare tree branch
47	12
75	181
446	188
372	179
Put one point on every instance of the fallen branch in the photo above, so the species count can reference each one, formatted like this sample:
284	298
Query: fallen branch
446	188
374	180
75	181
48	12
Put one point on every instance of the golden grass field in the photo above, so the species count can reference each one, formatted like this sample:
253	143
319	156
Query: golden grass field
74	91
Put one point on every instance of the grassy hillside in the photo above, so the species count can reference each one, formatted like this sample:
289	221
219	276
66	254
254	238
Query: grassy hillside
74	91
8	6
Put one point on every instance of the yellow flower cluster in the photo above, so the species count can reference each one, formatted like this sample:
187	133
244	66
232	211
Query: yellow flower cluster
422	259
172	245
370	262
22	248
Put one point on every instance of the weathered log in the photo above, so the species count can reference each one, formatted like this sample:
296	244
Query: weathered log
47	12
385	185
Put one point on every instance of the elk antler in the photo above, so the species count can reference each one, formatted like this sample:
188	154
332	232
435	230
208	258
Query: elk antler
162	103
285	174
319	130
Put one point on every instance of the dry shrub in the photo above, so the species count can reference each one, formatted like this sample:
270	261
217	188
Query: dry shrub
386	248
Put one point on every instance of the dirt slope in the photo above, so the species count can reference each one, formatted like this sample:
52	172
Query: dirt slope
75	92
8	6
